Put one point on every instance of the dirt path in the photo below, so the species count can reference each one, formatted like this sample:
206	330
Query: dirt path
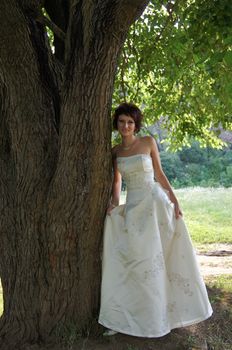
216	259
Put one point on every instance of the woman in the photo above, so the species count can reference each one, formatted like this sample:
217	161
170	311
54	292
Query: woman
150	279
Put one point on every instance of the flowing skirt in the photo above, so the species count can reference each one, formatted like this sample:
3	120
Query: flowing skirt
151	281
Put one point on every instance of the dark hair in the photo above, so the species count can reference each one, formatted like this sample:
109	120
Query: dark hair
130	110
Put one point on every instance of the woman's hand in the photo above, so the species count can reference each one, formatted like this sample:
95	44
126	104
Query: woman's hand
111	206
177	209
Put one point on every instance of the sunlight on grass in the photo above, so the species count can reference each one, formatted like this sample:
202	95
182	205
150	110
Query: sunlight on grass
208	213
223	282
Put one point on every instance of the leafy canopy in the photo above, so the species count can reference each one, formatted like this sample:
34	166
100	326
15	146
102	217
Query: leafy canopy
177	65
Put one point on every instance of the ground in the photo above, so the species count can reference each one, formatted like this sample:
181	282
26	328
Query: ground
215	259
214	334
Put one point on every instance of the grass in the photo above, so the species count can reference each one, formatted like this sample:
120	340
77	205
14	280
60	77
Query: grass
208	213
222	282
219	330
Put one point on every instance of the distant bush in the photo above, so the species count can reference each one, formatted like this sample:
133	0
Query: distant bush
196	166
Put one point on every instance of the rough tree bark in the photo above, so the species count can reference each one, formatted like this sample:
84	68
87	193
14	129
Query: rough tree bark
55	161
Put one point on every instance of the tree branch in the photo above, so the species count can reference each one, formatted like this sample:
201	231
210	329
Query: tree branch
54	28
58	12
138	5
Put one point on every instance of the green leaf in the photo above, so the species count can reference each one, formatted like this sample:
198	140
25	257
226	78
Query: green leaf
228	58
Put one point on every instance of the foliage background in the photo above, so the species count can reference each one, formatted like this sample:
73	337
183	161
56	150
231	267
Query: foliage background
196	166
177	65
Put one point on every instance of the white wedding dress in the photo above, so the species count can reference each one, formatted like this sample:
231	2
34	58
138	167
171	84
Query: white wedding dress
150	277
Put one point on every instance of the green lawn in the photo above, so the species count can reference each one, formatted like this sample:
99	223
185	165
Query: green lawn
208	213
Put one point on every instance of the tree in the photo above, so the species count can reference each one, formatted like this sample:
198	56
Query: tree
177	63
55	159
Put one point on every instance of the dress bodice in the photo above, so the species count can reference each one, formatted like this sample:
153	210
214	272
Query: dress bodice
137	171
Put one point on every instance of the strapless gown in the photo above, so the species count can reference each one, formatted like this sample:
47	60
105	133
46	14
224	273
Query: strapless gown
151	281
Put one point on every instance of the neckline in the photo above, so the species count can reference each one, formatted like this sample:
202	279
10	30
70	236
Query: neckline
136	155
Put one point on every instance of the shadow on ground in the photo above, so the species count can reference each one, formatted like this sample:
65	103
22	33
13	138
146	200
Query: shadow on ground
213	334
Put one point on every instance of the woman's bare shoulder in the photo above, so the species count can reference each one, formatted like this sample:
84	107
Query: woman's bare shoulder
147	139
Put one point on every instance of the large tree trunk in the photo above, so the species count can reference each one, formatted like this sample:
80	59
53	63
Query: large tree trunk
55	164
28	159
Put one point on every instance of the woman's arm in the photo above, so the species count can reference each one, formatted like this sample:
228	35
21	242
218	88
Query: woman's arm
116	187
161	177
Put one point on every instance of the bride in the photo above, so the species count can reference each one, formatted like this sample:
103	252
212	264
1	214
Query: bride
150	277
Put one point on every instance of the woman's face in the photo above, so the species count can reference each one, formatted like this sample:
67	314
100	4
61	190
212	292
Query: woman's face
126	125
